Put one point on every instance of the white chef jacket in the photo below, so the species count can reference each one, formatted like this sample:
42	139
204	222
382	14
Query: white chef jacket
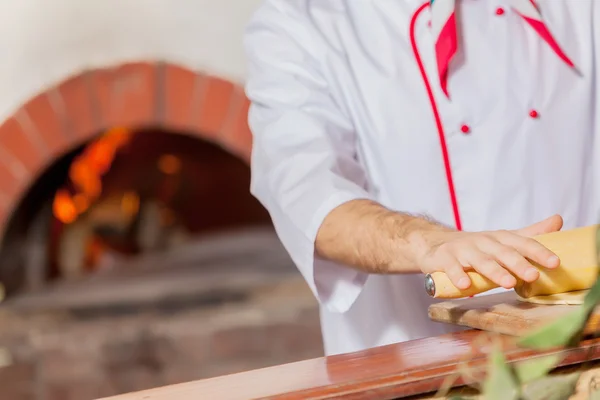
340	111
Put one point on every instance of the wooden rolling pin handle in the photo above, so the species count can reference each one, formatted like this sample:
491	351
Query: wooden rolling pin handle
439	286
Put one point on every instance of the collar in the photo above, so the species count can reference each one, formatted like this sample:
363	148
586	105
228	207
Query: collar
443	26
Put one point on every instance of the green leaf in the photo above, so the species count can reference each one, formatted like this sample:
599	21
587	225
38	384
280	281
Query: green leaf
530	370
558	333
500	383
592	298
447	384
555	387
568	329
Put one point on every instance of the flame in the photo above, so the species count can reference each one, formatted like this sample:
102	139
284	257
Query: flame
63	207
81	202
85	178
85	174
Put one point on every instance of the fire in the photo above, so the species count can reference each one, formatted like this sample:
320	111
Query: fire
64	208
81	203
85	175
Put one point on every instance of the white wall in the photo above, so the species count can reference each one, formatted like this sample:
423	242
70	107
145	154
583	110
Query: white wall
42	42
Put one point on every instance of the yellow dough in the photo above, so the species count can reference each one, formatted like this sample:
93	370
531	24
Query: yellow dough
578	269
568	298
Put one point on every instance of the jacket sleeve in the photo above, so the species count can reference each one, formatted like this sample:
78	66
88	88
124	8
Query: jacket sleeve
304	148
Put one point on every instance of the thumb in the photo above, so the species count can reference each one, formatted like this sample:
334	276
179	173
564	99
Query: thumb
548	225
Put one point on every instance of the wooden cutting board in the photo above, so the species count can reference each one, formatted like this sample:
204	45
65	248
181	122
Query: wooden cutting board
503	313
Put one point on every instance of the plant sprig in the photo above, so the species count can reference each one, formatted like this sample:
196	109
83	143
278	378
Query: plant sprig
531	379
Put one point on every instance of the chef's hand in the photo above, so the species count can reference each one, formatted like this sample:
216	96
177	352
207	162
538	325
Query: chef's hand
497	255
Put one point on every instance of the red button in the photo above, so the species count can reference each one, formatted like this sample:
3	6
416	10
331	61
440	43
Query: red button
465	129
429	24
499	11
534	114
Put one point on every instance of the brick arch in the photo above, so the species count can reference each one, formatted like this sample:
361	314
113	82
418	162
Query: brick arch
130	95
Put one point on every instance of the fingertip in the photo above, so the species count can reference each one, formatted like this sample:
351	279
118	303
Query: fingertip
553	261
531	275
464	283
559	221
508	281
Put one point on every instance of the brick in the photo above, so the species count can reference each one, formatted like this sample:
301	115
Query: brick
126	95
244	342
180	91
136	379
239	138
92	387
46	125
309	316
15	141
141	350
4	219
189	350
79	115
85	358
61	366
138	363
10	189
16	347
295	340
180	373
18	382
214	107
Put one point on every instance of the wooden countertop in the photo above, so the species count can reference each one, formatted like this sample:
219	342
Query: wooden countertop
382	373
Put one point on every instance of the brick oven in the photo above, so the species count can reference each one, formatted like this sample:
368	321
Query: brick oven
124	182
78	154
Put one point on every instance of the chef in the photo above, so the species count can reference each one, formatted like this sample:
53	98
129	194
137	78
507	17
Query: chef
399	137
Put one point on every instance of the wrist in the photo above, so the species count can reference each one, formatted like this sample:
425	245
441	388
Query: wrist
413	239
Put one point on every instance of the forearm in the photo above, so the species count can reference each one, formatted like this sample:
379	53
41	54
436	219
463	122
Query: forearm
367	236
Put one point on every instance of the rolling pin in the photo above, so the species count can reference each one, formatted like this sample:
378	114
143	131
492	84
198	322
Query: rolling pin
578	269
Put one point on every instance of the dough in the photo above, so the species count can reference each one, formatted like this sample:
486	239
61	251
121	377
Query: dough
568	298
578	263
578	270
